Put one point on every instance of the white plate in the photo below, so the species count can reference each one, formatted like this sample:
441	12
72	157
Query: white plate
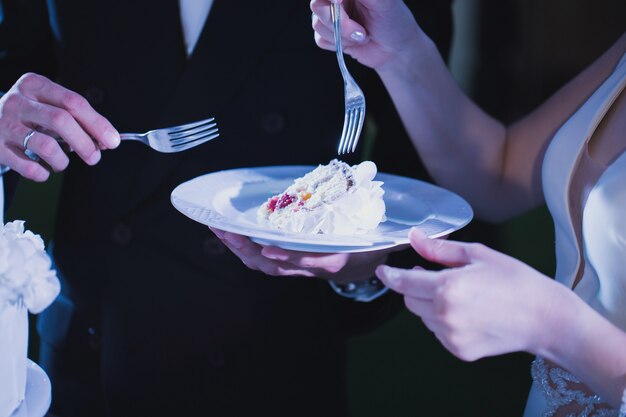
228	200
38	393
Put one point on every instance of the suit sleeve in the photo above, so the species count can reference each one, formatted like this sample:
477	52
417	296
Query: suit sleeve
26	42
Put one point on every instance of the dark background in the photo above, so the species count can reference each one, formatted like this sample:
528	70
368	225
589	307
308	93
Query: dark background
509	56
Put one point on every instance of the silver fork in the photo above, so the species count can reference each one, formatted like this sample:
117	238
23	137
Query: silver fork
354	114
167	140
175	138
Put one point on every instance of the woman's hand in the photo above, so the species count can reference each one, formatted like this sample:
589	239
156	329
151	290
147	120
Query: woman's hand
35	103
375	32
485	303
340	267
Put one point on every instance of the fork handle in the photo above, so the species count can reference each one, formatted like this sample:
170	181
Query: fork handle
132	136
335	12
123	136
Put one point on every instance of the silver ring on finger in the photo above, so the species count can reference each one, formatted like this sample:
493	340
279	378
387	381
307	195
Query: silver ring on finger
27	138
30	154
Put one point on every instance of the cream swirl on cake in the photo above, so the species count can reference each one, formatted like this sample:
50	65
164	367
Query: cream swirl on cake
332	199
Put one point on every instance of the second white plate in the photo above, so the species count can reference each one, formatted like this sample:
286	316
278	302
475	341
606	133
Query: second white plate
38	393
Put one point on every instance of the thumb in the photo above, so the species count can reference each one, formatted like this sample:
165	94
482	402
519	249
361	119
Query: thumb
444	252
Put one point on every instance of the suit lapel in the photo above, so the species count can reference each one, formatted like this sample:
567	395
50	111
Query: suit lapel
233	41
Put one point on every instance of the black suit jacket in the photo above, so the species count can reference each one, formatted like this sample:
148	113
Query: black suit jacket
185	327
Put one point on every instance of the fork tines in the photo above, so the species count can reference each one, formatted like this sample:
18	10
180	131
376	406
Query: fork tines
189	126
193	132
192	129
352	126
354	114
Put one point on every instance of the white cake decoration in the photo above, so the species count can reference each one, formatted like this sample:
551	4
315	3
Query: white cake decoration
332	199
27	283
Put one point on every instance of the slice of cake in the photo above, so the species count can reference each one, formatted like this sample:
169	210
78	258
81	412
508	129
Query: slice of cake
332	199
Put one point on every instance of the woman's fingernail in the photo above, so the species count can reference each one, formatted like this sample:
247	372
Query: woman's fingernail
358	36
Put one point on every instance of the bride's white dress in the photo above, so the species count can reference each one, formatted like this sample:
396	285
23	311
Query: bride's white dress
601	278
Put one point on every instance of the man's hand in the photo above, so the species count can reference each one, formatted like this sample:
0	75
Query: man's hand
35	103
340	267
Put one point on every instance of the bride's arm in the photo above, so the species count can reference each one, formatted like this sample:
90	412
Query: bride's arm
495	167
486	303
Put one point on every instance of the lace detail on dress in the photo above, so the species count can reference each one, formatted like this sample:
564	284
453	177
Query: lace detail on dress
554	383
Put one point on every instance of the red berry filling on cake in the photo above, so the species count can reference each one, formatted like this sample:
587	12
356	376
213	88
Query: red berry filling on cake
285	200
271	204
333	198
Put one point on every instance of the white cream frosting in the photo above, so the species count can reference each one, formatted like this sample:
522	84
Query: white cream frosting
25	269
331	209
